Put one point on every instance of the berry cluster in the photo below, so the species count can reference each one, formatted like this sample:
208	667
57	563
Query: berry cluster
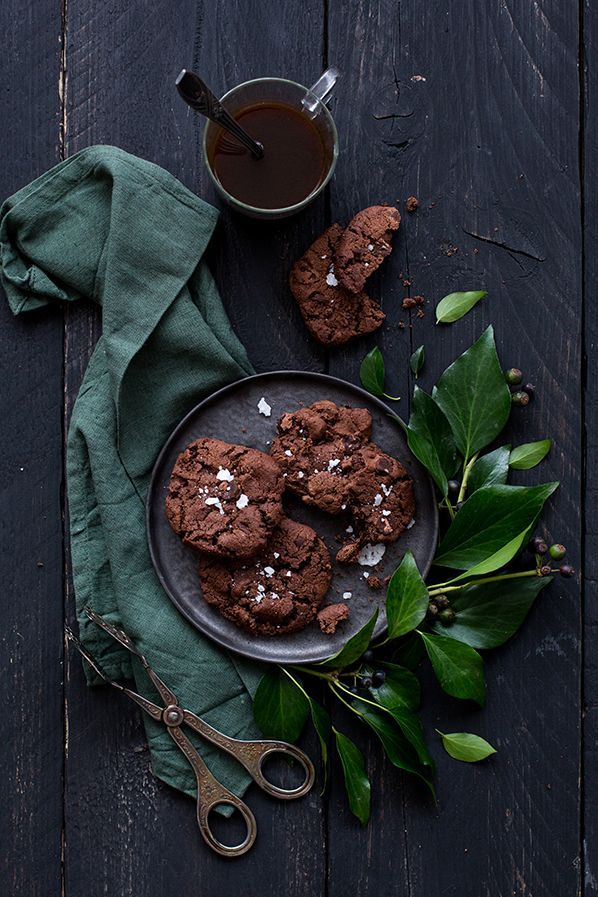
440	609
377	678
520	395
556	552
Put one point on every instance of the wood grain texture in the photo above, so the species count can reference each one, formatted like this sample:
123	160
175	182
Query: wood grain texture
474	109
125	832
589	146
30	482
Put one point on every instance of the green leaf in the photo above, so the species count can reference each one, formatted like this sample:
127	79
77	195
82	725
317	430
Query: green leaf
490	519
431	440
354	647
409	652
474	396
280	707
372	372
357	784
400	690
455	305
465	746
524	457
416	361
490	613
406	599
411	727
490	469
496	560
397	747
321	720
458	668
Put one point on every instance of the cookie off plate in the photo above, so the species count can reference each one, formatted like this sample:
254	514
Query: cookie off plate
246	412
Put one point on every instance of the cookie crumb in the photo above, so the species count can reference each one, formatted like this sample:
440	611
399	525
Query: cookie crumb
412	204
374	582
329	617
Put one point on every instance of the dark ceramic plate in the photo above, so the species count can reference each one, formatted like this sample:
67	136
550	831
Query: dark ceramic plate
232	414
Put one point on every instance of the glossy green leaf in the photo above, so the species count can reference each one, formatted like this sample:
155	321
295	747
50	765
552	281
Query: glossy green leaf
372	372
409	652
458	668
411	727
524	457
490	469
473	395
490	613
490	519
280	707
357	784
354	647
496	560
455	305
431	440
466	747
406	598
416	362
396	746
401	689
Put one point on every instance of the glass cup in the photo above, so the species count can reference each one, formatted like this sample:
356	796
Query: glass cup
308	101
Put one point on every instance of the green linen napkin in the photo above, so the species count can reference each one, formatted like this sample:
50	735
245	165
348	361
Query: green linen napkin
122	232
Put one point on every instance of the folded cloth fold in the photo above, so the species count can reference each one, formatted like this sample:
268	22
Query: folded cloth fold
122	232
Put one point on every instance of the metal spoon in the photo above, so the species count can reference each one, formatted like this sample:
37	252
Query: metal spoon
197	95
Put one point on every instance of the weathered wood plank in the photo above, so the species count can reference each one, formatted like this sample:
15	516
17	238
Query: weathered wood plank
30	477
590	495
126	833
474	109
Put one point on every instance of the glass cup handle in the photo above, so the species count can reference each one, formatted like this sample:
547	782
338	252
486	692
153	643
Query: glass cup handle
320	92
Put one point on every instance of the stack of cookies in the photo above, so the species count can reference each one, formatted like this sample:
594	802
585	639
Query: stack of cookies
263	571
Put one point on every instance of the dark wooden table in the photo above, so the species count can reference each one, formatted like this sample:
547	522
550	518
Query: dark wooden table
487	111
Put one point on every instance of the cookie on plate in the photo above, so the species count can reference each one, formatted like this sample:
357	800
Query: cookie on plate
277	592
332	315
330	461
224	499
363	246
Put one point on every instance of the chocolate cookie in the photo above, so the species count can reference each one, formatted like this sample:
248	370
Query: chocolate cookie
329	460
224	499
277	592
363	246
332	315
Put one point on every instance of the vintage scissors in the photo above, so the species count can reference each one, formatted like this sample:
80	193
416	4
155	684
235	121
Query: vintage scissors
210	792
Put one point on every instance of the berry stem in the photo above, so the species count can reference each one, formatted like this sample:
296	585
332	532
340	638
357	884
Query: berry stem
327	676
466	472
392	398
441	588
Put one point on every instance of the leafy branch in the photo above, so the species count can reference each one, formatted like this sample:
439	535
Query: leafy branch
447	621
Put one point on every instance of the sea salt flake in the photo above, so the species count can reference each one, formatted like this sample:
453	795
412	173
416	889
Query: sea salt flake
386	513
370	555
386	489
300	475
288	453
349	529
330	278
274	595
347	595
288	573
261	588
377	499
269	571
242	501
370	246
225	475
410	524
276	555
257	598
366	575
264	408
216	502
343	507
334	462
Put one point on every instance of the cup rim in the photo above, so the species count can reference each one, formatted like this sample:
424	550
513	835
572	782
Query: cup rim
282	210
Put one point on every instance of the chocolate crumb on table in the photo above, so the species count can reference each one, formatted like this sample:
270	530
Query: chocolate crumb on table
412	204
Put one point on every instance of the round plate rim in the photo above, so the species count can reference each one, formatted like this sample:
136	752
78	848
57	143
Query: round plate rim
213	397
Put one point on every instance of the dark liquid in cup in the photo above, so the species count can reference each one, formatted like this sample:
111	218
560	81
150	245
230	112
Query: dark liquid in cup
295	160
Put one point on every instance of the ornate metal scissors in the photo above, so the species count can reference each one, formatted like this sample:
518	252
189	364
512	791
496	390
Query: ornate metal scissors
210	792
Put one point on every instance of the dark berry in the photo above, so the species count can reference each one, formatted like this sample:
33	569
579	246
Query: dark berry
529	389
541	547
447	616
513	376
557	552
545	570
566	570
379	678
432	609
453	486
520	398
460	505
365	681
368	656
441	601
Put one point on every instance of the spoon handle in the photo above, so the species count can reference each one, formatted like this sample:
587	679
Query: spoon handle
199	96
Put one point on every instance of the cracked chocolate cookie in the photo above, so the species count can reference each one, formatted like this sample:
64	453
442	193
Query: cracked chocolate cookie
277	592
224	499
330	461
332	315
363	246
